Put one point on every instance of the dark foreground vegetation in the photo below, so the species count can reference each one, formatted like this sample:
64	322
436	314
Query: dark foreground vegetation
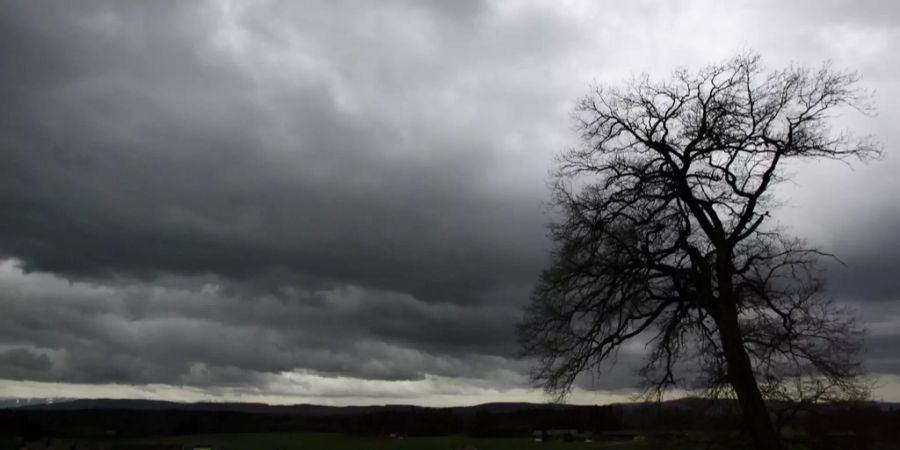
690	423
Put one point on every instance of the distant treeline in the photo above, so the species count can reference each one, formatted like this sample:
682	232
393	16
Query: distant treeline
862	419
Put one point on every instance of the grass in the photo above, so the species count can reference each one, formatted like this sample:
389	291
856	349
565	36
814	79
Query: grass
325	441
329	441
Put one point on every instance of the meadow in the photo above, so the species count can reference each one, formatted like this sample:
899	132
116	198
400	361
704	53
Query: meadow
331	441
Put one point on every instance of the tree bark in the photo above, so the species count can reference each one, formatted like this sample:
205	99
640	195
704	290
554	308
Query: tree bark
759	424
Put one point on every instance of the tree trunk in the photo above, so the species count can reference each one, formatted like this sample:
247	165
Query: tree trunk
740	375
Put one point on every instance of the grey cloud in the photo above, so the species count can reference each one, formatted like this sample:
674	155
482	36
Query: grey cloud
140	333
866	241
22	363
867	13
153	157
882	357
870	277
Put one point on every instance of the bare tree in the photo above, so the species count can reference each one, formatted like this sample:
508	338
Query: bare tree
664	235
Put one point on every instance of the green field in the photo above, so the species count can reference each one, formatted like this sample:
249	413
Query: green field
290	441
323	441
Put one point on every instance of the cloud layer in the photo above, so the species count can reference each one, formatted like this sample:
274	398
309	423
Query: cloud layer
227	195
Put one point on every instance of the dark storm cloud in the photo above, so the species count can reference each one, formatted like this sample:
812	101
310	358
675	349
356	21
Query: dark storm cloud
131	147
882	354
870	262
156	334
882	323
358	217
22	363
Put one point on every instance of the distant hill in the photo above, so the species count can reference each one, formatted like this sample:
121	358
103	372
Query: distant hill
160	405
66	404
57	404
127	418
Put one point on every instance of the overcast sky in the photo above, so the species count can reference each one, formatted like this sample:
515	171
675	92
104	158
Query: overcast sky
344	202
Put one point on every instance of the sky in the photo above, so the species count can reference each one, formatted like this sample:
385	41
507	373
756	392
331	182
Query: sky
345	202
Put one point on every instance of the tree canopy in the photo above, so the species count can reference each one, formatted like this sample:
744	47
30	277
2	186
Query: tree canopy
665	234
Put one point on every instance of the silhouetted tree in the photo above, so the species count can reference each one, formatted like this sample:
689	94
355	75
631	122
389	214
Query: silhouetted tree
664	235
